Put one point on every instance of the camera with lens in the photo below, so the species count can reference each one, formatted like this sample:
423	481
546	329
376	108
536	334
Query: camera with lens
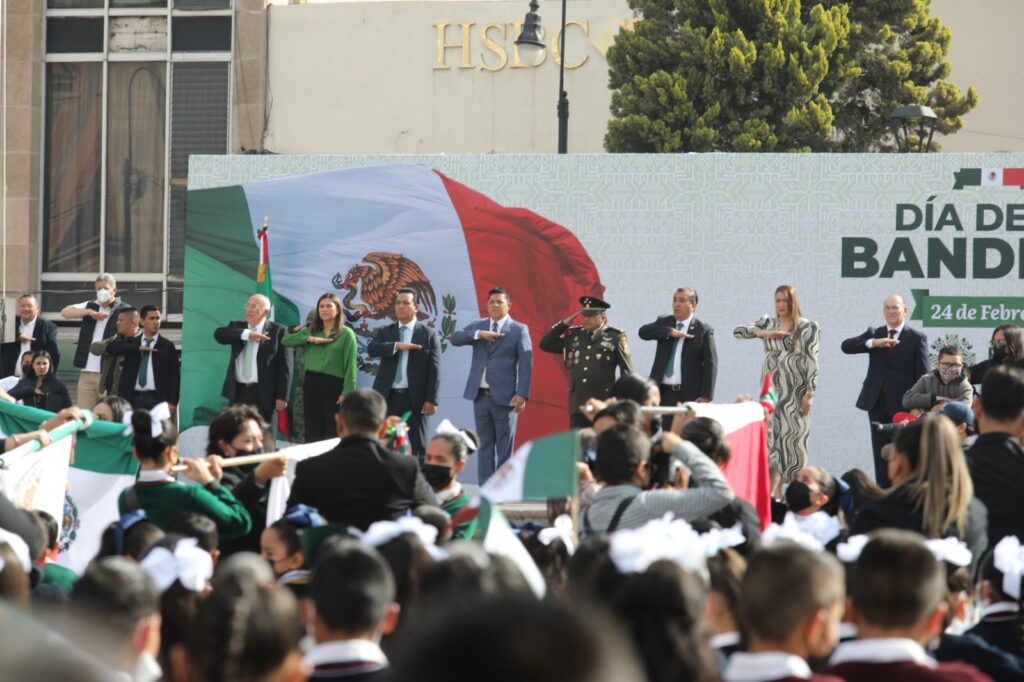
881	427
663	466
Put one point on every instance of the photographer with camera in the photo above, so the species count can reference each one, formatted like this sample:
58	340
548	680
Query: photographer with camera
694	485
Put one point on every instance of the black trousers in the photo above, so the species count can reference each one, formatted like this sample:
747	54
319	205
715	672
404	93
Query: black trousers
880	414
398	404
669	398
319	405
249	394
145	400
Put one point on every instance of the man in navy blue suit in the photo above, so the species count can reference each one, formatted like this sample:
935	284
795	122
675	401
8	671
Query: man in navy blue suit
410	367
898	358
499	379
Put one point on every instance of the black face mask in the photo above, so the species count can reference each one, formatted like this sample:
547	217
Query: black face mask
998	351
437	476
798	496
246	453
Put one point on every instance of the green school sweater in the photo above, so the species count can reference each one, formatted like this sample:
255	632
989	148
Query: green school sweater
164	499
59	575
464	531
338	358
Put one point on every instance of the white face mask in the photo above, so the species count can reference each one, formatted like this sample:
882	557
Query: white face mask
104	295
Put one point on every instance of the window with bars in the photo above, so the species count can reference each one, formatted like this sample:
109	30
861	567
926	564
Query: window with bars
129	97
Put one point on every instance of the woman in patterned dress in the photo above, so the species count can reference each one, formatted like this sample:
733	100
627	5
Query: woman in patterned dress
791	345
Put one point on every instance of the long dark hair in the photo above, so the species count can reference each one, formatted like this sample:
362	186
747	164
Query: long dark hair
1014	344
662	609
318	324
43	354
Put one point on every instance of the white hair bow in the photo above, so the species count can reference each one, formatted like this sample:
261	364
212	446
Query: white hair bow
1008	557
561	530
446	428
157	415
20	548
790	530
820	525
950	550
382	532
634	550
849	551
189	565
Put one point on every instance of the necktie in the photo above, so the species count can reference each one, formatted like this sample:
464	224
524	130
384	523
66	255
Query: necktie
144	365
247	360
494	326
401	337
672	355
892	335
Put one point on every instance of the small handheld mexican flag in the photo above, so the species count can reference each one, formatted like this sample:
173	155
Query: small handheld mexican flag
264	286
768	399
540	469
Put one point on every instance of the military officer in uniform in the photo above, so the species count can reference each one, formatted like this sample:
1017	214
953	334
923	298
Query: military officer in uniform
591	352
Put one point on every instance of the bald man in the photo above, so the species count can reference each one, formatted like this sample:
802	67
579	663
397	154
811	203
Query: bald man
259	372
898	357
31	334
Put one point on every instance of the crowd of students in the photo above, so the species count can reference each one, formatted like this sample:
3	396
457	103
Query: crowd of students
667	575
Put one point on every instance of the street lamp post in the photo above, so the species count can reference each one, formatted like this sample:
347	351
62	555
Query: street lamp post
530	44
904	120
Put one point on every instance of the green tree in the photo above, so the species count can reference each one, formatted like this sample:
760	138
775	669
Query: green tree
776	75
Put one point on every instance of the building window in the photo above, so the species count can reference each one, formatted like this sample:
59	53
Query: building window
71	191
133	88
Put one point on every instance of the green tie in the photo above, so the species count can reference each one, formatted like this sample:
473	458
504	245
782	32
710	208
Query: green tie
672	355
144	366
398	372
247	361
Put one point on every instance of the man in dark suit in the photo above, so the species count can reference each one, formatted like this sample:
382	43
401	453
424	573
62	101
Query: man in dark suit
898	358
686	361
499	379
360	481
353	593
151	373
259	372
409	375
31	333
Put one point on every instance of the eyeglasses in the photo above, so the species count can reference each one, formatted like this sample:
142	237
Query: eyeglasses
950	365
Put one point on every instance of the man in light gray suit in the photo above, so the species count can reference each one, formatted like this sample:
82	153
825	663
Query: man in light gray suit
499	379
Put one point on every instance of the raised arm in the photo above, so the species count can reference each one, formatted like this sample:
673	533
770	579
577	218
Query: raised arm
750	331
859	344
655	331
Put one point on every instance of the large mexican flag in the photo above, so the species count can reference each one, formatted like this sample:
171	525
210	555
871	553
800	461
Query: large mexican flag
101	467
362	233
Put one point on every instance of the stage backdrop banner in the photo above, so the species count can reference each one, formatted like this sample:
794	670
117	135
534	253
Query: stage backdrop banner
945	231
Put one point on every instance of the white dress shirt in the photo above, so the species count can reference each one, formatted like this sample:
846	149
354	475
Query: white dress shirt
403	355
764	666
27	329
490	327
148	359
676	361
889	650
239	364
870	343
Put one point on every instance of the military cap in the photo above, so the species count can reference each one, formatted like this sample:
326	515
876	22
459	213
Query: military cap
592	305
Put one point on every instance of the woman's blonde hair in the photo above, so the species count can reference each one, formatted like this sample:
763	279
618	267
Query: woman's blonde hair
939	483
794	311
